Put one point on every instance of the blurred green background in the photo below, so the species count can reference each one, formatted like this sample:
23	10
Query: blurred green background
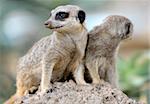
22	24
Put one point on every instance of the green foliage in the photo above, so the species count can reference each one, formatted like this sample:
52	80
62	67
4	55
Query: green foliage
134	73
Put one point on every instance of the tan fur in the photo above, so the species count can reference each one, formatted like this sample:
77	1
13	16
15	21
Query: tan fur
48	59
102	48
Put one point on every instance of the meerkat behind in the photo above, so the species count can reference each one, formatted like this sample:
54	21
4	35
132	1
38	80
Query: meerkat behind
102	48
49	58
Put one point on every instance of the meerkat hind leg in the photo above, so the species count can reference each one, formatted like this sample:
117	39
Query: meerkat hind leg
33	89
111	77
25	81
93	70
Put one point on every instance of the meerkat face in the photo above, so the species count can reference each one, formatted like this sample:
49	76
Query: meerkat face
119	27
68	18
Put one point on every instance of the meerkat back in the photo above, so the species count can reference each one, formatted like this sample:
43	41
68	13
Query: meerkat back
103	45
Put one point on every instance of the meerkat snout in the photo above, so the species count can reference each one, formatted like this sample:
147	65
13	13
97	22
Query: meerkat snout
66	19
47	24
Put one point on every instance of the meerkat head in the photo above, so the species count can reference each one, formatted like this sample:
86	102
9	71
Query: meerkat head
118	26
68	18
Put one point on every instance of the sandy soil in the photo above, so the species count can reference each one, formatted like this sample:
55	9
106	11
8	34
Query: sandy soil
70	93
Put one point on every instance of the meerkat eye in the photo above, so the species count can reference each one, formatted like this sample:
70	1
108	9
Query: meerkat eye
61	16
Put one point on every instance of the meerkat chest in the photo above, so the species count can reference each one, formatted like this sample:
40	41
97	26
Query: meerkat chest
81	45
63	44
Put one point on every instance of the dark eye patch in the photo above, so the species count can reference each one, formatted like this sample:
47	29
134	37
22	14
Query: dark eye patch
61	15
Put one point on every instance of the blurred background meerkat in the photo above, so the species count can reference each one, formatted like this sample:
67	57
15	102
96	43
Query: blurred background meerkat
102	48
47	60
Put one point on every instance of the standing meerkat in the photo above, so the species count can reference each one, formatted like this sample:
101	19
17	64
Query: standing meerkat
102	48
49	58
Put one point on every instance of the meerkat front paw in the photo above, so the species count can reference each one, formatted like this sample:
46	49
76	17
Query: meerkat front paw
45	91
46	88
81	82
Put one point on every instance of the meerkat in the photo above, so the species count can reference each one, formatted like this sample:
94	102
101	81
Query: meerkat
102	46
49	58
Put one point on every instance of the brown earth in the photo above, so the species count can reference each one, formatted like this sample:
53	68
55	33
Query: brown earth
70	93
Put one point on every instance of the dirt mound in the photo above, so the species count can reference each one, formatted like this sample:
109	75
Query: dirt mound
70	93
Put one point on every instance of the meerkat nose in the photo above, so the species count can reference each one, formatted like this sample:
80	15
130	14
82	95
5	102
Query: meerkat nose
47	23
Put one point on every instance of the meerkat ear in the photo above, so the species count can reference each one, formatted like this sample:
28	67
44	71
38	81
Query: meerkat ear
81	16
127	27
